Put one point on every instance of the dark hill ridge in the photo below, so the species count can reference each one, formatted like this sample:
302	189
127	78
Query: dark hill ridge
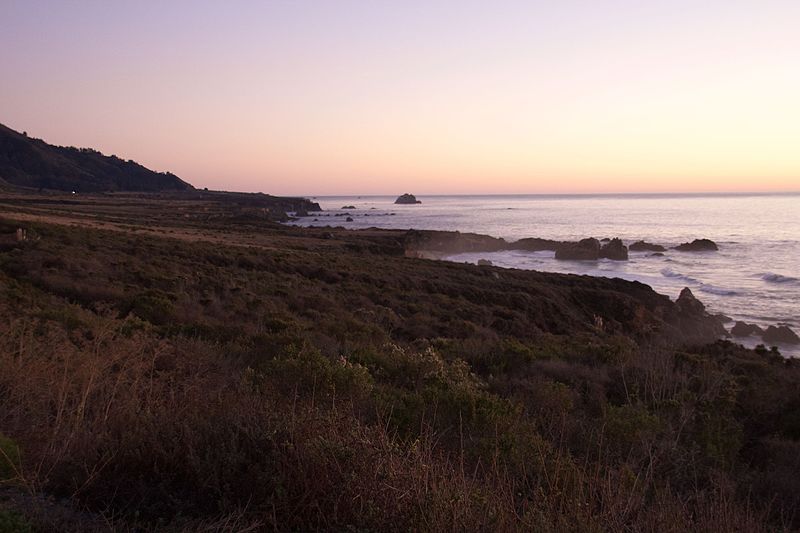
33	163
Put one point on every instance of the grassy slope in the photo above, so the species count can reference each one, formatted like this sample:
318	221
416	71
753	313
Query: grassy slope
179	371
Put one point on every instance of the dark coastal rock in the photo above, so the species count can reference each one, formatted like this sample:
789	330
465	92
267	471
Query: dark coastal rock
643	246
743	329
407	198
451	242
656	254
614	250
484	262
348	207
698	245
535	244
301	213
583	250
725	319
780	334
688	304
693	320
348	219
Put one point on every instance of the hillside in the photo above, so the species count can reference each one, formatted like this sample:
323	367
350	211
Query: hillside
33	163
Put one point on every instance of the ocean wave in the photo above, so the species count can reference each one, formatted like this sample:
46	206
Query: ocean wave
669	273
771	277
710	289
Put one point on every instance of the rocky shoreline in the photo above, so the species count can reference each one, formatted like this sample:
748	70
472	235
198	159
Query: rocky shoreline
430	244
427	242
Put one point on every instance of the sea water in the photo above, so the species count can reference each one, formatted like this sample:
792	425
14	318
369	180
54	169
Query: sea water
754	277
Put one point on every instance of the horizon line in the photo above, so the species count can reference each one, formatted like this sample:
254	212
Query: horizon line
662	193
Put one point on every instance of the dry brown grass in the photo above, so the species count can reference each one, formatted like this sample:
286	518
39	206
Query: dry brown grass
130	424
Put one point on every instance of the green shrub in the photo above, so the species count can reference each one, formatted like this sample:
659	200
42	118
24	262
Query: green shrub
153	306
11	522
630	426
66	316
308	372
9	458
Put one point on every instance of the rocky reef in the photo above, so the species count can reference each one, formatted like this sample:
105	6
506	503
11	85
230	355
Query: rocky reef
583	250
614	250
643	246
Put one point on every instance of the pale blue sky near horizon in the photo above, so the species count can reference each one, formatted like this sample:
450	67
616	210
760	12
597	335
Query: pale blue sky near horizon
435	97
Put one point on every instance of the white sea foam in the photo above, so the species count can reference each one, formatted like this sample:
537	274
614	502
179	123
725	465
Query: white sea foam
669	273
710	289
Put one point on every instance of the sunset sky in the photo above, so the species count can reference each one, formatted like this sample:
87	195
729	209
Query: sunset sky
341	97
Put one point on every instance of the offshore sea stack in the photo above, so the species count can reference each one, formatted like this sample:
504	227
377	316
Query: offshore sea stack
698	245
407	198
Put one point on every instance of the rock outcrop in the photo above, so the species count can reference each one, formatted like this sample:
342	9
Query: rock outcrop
723	318
484	262
615	250
698	245
450	242
743	329
693	319
643	246
535	244
689	305
780	334
407	198
583	250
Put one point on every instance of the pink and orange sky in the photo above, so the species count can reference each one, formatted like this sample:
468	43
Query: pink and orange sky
372	97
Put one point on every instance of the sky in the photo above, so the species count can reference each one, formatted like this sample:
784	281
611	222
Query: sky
428	97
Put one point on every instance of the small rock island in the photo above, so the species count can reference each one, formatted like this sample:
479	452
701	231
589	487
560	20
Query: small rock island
407	199
698	245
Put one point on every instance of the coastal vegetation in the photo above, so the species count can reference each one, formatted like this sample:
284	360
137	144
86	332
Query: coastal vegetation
197	366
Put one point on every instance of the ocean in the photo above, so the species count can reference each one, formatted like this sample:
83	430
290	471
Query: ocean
754	277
